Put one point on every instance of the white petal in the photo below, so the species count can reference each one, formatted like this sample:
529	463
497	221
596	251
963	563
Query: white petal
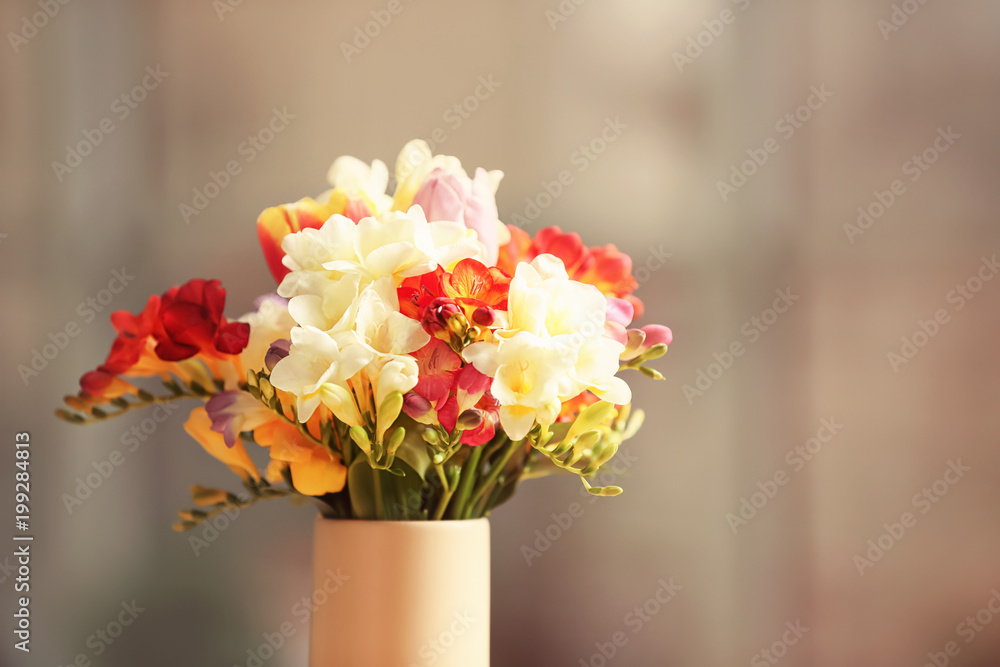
483	356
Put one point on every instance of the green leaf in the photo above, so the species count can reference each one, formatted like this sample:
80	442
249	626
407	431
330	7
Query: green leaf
413	449
401	497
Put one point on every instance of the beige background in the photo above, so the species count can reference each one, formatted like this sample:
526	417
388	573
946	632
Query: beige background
654	187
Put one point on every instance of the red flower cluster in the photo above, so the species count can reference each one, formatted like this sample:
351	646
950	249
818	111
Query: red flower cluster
607	268
185	321
452	394
472	290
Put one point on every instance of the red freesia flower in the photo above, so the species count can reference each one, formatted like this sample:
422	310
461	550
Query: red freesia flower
607	268
185	321
192	321
416	293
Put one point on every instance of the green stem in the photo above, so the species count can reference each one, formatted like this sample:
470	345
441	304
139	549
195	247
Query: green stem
77	418
469	471
379	508
443	504
495	471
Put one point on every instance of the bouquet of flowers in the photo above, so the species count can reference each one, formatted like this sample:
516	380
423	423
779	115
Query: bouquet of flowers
418	359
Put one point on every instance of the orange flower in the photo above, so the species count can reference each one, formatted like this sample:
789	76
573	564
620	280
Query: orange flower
277	222
199	427
315	471
607	268
472	283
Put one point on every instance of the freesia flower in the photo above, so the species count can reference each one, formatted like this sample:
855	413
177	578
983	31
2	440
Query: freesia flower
192	323
315	471
607	268
269	322
361	182
454	196
316	361
529	375
277	222
550	316
199	427
233	412
331	266
186	321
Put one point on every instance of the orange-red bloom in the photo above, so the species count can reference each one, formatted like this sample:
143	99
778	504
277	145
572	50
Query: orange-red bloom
607	268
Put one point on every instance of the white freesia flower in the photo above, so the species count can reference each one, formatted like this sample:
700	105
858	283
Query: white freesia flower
331	266
559	320
529	376
354	177
316	362
270	322
379	325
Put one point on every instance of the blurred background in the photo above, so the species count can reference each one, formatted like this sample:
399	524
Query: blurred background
809	191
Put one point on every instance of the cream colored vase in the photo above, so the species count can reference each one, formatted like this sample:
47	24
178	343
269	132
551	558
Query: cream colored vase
401	594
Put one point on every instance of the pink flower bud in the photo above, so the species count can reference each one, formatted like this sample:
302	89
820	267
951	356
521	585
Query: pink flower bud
657	334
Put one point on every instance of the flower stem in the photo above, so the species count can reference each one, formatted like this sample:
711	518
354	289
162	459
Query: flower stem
379	507
469	471
495	470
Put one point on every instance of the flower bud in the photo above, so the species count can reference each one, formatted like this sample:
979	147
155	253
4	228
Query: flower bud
470	419
277	352
483	316
415	405
439	313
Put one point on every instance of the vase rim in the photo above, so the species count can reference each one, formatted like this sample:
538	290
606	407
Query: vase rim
457	522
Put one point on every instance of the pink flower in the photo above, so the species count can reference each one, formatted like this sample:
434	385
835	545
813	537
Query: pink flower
447	195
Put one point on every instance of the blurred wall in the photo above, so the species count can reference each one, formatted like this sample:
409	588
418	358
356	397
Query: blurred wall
780	442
